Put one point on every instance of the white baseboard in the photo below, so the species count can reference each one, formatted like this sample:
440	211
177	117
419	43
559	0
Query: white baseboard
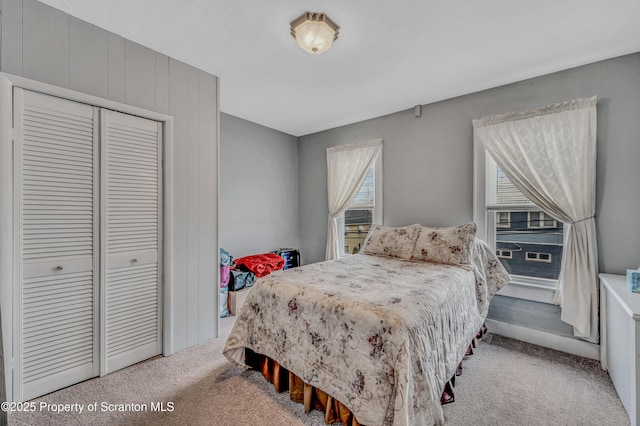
547	340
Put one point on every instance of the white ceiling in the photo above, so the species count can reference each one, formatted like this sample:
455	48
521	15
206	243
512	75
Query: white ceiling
390	56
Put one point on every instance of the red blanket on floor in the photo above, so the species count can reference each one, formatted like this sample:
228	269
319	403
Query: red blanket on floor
261	264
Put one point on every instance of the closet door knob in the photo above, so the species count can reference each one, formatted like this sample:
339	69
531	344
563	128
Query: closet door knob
134	260
58	268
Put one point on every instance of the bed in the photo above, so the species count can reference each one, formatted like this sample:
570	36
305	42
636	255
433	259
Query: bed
381	334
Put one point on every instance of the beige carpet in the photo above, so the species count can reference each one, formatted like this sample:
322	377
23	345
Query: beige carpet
505	383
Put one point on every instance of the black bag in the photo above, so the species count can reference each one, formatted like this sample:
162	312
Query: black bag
240	279
291	257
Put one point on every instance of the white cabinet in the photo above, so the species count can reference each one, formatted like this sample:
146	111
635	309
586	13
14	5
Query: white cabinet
56	236
620	340
87	234
132	200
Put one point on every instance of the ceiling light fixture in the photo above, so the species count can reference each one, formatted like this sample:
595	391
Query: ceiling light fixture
314	32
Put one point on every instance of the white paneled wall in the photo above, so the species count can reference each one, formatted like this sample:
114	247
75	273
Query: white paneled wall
207	215
44	44
87	58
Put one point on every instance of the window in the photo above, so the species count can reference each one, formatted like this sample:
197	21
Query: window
503	219
538	257
541	220
356	227
527	240
504	254
365	210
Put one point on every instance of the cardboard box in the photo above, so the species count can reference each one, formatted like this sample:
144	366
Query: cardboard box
236	300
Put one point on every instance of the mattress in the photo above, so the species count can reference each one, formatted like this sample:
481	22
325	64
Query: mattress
380	335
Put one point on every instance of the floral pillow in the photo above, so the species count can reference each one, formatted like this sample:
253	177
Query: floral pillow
452	245
393	242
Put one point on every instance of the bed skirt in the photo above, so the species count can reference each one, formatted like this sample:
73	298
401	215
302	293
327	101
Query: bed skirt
316	399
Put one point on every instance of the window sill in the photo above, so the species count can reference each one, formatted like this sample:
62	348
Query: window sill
534	281
529	288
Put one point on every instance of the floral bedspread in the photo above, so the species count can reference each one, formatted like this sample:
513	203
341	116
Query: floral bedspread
381	335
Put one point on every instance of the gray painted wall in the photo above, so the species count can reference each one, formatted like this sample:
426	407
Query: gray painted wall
427	165
258	187
44	44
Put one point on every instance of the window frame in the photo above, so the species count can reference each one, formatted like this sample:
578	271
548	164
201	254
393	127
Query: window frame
486	223
508	224
537	257
376	218
543	217
501	253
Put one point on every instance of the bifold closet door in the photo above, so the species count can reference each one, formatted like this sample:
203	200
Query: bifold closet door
131	196
55	183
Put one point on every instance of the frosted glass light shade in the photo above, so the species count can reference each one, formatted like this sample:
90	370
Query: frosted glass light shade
314	32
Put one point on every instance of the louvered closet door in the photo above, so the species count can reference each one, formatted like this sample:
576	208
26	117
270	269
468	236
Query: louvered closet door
131	230
56	236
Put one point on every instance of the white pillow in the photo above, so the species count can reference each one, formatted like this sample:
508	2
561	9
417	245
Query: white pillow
393	242
451	245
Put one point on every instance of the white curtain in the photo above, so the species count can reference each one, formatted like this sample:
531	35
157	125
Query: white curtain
549	154
347	167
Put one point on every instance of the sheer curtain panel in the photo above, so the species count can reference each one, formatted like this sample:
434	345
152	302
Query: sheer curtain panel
347	167
549	154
